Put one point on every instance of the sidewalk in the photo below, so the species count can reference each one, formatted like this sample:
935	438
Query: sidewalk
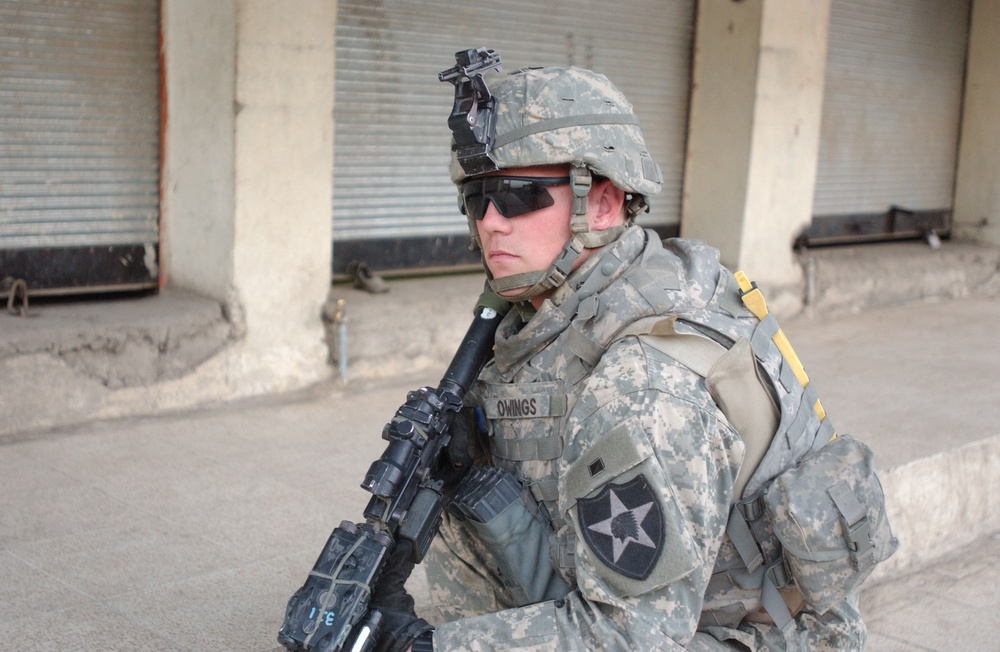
190	531
950	606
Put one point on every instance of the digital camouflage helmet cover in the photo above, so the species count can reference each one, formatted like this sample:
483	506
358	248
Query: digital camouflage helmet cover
547	116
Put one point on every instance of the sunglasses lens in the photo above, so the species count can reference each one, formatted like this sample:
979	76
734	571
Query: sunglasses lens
512	196
474	202
522	197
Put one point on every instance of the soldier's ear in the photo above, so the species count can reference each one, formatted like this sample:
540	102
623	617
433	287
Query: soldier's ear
606	205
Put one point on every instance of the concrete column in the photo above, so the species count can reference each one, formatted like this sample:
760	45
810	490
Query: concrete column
247	181
283	165
754	128
196	208
977	182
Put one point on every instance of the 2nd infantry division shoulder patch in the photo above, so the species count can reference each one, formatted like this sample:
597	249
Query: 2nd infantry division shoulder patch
623	525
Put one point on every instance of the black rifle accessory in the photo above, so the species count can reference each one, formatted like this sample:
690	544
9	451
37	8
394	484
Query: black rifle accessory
331	611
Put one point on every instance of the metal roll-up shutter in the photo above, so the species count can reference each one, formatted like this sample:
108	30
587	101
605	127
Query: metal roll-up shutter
79	144
891	118
393	205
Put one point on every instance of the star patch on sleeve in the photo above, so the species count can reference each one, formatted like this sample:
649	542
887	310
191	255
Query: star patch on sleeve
623	525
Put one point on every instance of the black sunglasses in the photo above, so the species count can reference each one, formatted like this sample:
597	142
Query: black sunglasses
512	196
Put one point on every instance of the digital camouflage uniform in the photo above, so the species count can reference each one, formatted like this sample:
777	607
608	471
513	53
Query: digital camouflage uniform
633	462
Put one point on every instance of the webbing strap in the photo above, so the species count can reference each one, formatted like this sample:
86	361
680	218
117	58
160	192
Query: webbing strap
581	181
806	420
787	377
583	347
540	281
514	281
846	502
774	604
566	556
825	435
764	334
857	527
544	490
743	540
729	298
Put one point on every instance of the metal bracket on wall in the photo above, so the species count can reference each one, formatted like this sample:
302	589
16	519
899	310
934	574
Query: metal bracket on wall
18	288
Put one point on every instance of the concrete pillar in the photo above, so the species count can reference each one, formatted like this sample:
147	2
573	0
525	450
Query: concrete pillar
977	182
247	179
283	165
753	140
199	68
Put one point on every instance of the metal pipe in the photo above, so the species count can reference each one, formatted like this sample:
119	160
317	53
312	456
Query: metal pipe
810	280
340	319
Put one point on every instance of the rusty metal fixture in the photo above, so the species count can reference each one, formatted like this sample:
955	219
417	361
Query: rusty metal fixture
18	288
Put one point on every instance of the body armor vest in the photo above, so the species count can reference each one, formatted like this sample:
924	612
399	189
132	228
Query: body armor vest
633	287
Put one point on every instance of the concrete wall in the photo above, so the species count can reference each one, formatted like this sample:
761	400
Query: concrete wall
753	145
247	178
977	183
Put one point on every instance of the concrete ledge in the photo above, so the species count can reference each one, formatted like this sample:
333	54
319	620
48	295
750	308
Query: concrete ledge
68	362
80	361
420	320
942	502
416	326
853	278
121	342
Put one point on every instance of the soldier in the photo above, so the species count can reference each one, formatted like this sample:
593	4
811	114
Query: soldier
623	457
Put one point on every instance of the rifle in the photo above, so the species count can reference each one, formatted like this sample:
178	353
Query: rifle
330	612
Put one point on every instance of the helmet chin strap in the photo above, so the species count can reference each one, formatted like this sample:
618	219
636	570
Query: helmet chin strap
581	238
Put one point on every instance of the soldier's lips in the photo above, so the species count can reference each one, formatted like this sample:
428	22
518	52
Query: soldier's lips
500	255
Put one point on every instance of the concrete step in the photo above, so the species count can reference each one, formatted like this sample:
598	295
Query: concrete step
851	278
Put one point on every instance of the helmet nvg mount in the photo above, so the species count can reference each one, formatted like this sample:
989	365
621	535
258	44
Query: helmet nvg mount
546	116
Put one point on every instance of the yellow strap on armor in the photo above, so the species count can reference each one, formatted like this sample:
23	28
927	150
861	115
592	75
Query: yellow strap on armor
754	301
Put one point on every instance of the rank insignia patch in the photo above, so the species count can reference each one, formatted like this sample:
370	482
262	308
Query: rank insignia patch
623	525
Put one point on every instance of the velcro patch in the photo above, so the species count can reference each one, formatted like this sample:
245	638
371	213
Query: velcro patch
524	406
623	525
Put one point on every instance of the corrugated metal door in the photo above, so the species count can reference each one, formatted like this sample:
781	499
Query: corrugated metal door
79	143
891	118
393	205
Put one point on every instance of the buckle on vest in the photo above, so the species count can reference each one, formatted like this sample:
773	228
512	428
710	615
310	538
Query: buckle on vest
861	544
778	573
752	509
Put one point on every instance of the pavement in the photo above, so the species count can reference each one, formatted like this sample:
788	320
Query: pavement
189	530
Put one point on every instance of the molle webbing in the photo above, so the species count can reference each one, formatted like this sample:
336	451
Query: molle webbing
522	450
754	301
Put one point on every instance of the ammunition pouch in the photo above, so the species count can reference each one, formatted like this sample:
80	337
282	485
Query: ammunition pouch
492	504
829	514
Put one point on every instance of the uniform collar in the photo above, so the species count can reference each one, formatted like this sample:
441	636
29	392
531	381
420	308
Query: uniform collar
518	340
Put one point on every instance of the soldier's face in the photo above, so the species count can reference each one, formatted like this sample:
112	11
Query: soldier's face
530	241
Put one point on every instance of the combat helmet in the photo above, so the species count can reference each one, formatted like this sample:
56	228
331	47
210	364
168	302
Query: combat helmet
545	116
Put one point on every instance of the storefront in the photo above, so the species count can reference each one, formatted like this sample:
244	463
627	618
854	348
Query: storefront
79	144
394	207
892	112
